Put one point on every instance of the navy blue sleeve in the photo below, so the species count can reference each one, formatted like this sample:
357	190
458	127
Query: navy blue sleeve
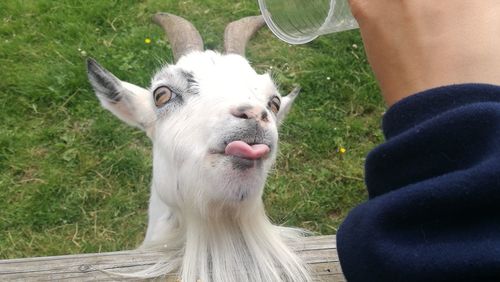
433	212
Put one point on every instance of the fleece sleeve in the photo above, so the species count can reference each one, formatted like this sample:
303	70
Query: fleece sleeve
433	212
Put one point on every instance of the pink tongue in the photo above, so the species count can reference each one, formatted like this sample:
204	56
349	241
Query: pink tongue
243	150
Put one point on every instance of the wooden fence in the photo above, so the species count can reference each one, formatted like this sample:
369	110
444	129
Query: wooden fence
319	252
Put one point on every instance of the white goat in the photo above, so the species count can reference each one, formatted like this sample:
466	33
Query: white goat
213	123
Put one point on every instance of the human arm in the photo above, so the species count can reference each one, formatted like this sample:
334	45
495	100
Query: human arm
433	212
414	45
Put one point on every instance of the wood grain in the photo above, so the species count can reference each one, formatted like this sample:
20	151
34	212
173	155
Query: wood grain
319	252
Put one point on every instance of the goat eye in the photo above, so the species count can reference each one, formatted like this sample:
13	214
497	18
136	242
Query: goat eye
274	104
162	95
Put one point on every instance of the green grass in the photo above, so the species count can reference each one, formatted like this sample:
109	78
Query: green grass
74	179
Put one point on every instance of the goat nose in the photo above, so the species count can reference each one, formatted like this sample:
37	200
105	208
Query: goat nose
249	112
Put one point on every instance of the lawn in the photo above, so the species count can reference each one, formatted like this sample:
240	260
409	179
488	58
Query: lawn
74	179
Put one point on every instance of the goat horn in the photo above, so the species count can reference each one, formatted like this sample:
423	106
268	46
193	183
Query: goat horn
182	35
238	33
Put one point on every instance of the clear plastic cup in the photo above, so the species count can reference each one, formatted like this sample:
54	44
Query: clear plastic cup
301	21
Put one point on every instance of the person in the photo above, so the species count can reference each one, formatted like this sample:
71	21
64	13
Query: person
433	212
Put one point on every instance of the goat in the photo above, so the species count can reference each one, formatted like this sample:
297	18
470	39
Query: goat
213	122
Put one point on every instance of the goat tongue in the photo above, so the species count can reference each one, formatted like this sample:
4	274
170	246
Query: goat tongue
243	150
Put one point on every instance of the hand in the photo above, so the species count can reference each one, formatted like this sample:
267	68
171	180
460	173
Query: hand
414	45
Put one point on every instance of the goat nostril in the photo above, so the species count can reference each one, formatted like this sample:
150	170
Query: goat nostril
243	112
240	114
264	116
250	112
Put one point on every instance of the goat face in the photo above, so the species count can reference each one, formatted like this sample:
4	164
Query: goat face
213	122
216	137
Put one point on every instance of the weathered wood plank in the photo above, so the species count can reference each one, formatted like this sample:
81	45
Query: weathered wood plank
319	252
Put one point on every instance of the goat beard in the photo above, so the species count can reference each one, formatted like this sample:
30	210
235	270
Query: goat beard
228	246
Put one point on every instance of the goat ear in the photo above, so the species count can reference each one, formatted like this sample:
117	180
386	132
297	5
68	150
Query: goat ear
128	102
286	103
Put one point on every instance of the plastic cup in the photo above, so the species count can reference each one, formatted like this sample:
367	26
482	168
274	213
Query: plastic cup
301	21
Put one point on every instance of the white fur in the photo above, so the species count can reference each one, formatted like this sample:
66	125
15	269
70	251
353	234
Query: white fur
205	213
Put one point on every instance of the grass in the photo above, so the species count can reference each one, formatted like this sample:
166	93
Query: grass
74	179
